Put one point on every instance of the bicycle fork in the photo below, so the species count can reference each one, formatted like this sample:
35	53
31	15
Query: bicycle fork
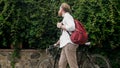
56	56
79	59
90	58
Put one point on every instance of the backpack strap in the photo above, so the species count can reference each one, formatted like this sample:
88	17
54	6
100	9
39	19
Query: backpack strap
68	33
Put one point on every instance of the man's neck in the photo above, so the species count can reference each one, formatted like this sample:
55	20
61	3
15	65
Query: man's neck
63	14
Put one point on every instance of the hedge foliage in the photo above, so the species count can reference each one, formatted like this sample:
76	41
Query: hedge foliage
101	18
33	22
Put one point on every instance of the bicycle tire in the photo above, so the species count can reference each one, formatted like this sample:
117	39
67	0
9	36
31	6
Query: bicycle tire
98	61
46	63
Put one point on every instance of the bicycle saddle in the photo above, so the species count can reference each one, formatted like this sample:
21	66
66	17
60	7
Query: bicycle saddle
87	43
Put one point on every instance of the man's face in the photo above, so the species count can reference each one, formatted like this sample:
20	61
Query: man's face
60	12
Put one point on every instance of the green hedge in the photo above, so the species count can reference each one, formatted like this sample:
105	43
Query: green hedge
33	22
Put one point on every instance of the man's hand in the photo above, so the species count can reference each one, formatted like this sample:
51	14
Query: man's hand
55	45
59	25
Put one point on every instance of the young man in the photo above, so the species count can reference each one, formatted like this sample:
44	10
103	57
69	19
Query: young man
68	53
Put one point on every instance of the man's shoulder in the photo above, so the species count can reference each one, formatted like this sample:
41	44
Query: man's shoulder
68	15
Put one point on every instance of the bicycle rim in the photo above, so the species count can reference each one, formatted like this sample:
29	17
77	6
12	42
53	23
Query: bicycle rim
97	61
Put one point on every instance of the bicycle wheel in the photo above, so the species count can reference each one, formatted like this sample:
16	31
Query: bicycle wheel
97	61
46	63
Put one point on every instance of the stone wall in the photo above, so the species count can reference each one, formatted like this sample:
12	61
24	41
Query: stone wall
29	58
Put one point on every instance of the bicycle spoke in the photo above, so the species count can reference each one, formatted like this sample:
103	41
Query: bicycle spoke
46	63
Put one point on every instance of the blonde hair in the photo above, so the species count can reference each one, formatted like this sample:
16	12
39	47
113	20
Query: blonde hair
65	7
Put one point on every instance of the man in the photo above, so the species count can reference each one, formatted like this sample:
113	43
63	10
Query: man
68	53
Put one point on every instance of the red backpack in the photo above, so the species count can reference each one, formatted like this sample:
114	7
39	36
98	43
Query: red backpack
79	36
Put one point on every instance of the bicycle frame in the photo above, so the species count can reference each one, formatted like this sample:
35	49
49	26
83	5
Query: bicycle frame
83	56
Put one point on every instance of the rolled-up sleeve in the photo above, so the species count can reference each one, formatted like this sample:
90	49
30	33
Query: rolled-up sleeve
70	25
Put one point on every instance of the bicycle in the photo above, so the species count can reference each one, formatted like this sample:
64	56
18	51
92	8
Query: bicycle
85	59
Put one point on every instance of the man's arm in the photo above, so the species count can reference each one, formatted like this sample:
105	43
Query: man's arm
63	27
57	43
